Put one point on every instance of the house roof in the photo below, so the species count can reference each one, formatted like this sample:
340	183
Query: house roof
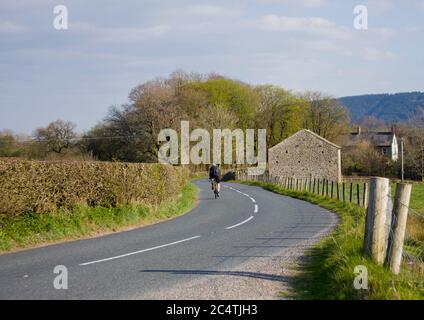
379	139
309	132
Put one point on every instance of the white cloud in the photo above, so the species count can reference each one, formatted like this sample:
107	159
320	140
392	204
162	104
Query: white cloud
283	23
10	27
382	6
373	54
301	3
207	11
312	25
123	34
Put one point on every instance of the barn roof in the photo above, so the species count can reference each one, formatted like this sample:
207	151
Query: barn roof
311	133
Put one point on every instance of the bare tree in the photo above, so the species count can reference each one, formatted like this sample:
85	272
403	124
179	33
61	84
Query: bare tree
57	136
326	116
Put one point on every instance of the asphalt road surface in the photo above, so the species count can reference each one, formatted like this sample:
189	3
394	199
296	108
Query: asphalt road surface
216	236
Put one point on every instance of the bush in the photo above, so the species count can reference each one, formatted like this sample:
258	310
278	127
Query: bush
45	186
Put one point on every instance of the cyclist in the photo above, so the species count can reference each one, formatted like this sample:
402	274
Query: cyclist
215	175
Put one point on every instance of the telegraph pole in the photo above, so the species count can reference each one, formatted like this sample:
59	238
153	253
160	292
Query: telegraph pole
401	154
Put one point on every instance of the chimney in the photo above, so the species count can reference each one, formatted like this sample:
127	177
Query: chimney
358	132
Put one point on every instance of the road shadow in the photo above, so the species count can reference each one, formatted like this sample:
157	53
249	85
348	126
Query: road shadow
256	275
207	198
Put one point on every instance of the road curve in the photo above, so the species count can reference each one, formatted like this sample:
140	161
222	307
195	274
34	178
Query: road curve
218	235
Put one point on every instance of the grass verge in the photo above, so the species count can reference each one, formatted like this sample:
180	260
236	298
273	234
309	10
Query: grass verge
29	230
328	269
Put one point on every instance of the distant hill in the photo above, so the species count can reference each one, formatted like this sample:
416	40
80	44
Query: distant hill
399	107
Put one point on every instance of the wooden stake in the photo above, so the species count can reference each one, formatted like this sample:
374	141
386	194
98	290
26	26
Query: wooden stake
375	224
399	219
357	194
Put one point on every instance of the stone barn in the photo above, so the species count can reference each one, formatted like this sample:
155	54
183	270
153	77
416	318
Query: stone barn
305	155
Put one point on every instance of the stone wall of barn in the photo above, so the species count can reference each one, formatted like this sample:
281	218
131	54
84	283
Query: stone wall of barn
305	155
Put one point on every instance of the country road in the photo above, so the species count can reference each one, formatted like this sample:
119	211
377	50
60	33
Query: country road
223	248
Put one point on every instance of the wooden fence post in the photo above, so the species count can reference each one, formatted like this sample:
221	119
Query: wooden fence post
326	188
338	195
350	194
365	196
344	186
332	189
357	194
397	234
376	218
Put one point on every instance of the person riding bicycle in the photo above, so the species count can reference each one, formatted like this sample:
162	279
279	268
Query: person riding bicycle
215	175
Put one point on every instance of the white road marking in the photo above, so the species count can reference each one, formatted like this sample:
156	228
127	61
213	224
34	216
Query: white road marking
256	207
239	224
139	251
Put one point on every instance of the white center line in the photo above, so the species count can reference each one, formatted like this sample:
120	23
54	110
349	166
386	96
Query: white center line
139	251
239	224
256	207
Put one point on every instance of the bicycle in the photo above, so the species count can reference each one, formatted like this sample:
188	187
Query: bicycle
215	188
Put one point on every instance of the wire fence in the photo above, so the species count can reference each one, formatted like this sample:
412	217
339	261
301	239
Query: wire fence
357	193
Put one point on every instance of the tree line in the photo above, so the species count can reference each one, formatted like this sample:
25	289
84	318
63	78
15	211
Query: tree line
129	132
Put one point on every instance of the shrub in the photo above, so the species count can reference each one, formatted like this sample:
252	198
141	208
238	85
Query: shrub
45	186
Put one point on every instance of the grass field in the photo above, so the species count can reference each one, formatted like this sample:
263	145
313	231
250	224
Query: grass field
28	230
415	226
328	271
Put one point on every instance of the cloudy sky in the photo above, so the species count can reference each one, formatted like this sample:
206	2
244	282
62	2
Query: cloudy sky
111	46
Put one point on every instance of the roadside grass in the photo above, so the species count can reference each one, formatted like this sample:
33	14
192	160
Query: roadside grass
328	268
29	230
415	226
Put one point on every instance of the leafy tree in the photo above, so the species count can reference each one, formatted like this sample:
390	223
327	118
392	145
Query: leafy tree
10	145
280	113
232	95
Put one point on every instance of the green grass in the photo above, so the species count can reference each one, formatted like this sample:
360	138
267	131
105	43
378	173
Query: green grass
83	221
328	270
417	197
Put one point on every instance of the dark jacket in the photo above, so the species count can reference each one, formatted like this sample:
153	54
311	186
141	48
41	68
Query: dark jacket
215	173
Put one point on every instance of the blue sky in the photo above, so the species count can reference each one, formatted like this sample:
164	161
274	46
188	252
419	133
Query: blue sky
111	46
